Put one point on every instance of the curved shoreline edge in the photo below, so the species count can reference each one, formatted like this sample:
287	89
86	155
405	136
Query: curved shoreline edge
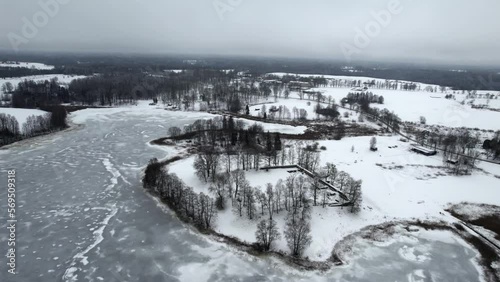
486	255
71	126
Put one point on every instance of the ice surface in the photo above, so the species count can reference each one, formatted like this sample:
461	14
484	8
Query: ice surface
64	191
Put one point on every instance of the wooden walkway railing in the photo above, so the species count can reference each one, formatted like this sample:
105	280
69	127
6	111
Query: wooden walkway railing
310	174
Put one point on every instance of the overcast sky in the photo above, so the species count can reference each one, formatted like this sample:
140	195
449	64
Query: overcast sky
449	31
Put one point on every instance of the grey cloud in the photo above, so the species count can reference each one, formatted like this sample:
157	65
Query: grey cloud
446	31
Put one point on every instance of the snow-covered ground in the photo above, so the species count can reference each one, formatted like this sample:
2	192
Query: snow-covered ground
63	79
22	114
273	127
411	105
397	185
352	78
295	102
37	66
174	71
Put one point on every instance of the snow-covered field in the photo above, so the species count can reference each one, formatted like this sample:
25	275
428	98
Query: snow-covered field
295	102
61	78
411	105
397	185
22	114
37	66
273	127
174	71
351	78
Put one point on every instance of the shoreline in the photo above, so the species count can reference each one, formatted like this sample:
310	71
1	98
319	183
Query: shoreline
486	255
71	126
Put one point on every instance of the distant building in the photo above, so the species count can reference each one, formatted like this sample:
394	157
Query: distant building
299	85
360	89
423	150
312	92
271	81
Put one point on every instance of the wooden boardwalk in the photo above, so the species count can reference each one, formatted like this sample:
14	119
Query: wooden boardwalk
312	175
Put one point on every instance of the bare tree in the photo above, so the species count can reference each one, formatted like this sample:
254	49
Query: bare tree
315	186
267	232
239	179
355	195
297	234
343	179
206	165
279	191
219	188
262	199
249	200
331	173
269	197
208	210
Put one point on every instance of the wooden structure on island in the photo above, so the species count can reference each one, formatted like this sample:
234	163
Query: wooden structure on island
313	175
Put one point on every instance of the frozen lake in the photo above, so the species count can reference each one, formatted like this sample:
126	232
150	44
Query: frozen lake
83	216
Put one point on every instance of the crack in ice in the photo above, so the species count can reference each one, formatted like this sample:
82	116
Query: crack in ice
115	172
69	274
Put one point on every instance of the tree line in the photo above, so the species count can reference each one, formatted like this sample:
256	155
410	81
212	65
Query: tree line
32	94
364	99
198	208
227	149
295	195
6	72
117	88
459	146
11	131
222	164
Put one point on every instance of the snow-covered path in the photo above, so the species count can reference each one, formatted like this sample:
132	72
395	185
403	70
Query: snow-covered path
83	215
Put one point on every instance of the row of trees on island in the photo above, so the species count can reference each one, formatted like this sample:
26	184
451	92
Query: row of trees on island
227	150
295	195
198	208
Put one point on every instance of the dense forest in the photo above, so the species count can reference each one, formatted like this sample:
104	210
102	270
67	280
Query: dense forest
473	78
115	89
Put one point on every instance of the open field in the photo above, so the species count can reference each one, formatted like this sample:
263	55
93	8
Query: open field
411	105
37	66
63	79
